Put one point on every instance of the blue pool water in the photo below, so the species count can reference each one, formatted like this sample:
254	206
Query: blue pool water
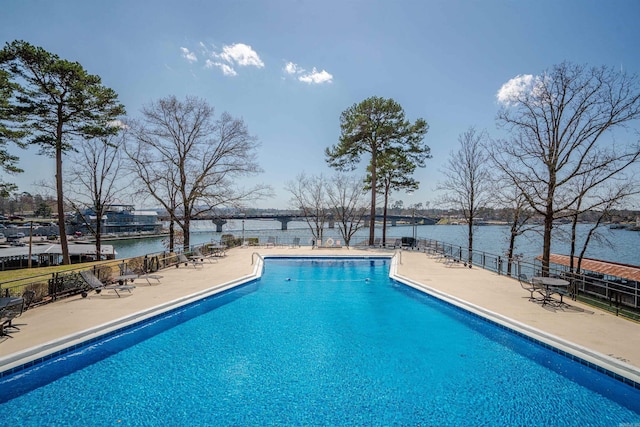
316	342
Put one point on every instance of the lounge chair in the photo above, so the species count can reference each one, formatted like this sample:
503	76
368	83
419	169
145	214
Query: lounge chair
271	242
150	276
198	253
195	261
125	274
97	285
218	249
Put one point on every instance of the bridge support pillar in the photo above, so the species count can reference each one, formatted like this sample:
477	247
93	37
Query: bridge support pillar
393	222
284	220
219	223
332	223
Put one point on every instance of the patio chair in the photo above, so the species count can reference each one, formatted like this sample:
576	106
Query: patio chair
97	285
10	308
527	285
295	243
271	242
195	261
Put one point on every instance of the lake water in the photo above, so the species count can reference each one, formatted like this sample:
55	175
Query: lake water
493	239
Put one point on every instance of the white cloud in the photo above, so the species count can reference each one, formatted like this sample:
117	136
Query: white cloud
312	77
514	88
316	77
227	70
117	124
291	68
241	54
188	55
227	59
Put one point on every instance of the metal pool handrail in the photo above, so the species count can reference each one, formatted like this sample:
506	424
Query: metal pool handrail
259	256
398	252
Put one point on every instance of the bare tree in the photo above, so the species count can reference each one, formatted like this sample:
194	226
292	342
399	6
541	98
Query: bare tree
309	196
558	122
467	180
598	201
203	157
348	204
92	182
510	198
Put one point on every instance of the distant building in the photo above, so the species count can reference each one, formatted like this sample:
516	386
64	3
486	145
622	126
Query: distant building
45	254
120	219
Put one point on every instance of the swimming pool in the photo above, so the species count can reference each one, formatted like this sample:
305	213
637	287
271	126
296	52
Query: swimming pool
316	342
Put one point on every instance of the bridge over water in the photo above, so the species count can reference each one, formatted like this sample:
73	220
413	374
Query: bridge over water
284	219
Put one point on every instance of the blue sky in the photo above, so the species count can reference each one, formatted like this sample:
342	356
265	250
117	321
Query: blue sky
289	68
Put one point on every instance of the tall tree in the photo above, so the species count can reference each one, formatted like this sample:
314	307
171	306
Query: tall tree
467	180
394	174
558	124
61	104
93	177
203	154
374	126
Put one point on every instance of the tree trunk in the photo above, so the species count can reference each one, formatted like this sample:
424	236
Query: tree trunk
384	217
548	223
546	241
572	251
512	243
61	223
372	218
186	224
172	237
99	235
512	240
470	254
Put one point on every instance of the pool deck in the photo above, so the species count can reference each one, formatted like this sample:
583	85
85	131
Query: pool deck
585	326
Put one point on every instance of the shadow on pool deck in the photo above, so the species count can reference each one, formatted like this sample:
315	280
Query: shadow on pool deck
578	323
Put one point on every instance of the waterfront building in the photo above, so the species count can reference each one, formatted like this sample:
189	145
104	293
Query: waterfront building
120	219
44	253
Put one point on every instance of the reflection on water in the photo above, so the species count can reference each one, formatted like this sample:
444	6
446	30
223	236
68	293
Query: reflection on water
490	239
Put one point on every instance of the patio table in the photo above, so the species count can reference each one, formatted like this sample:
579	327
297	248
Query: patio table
551	285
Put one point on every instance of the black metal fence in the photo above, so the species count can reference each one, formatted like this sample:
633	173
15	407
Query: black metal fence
45	288
621	296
